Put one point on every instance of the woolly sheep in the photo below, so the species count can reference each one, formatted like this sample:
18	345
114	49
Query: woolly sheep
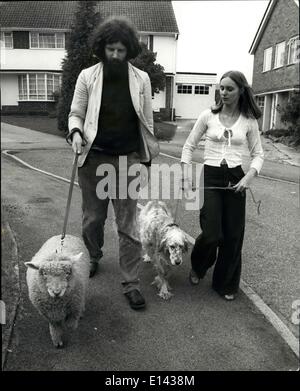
57	281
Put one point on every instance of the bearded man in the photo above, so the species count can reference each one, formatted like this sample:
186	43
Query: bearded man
111	116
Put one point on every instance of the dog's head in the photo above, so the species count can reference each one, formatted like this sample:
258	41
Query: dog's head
173	245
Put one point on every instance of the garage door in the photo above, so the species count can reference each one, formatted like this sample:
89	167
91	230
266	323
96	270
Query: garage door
191	99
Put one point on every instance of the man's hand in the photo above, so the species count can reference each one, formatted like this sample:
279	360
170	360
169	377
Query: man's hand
77	143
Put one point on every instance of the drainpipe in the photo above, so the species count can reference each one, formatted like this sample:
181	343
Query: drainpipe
172	99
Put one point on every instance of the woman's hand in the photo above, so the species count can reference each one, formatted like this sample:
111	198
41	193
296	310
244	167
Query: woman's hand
77	143
187	184
245	182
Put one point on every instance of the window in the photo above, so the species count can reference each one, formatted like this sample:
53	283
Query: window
184	89
47	40
279	55
202	89
294	50
32	87
23	91
144	39
6	40
39	86
53	84
267	59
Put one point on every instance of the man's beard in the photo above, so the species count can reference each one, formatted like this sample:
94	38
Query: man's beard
115	69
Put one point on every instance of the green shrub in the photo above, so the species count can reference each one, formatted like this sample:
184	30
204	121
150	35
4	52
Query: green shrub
278	132
290	114
52	114
157	116
163	131
146	61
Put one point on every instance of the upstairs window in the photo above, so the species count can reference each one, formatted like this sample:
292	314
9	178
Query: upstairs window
184	89
279	55
6	40
294	50
144	39
47	40
201	89
267	59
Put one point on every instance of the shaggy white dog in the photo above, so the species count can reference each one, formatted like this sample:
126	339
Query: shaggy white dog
163	242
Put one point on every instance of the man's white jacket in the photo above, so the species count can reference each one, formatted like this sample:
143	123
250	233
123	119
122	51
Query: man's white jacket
86	105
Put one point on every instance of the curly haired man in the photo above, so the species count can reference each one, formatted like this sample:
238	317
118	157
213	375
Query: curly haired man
112	112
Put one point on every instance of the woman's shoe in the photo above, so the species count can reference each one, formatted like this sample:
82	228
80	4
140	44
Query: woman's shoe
229	297
93	268
194	279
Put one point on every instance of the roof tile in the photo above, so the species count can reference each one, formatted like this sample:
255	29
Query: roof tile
152	16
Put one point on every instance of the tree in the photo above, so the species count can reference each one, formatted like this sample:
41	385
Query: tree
79	56
290	114
146	62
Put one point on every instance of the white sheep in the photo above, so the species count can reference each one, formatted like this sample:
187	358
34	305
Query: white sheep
57	281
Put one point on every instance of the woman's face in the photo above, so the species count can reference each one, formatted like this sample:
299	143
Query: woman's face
229	91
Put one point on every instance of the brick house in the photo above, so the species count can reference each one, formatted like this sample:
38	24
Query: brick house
33	40
276	60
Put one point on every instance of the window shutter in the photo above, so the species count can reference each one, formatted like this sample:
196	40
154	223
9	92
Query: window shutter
21	39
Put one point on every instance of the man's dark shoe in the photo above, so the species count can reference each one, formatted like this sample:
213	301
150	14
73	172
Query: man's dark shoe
93	268
94	262
136	300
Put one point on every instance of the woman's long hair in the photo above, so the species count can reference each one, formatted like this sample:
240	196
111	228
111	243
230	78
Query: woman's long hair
112	30
247	104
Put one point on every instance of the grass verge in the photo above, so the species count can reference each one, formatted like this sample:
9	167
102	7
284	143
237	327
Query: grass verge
40	123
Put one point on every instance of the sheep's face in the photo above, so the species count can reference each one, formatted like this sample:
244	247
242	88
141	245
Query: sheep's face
56	277
55	273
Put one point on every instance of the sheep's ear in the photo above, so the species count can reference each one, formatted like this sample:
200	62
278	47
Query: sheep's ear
32	265
76	257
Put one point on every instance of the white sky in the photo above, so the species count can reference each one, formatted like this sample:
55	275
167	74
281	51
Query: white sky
215	36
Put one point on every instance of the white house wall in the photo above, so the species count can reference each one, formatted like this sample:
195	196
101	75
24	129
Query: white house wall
9	90
165	47
159	100
32	59
195	79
